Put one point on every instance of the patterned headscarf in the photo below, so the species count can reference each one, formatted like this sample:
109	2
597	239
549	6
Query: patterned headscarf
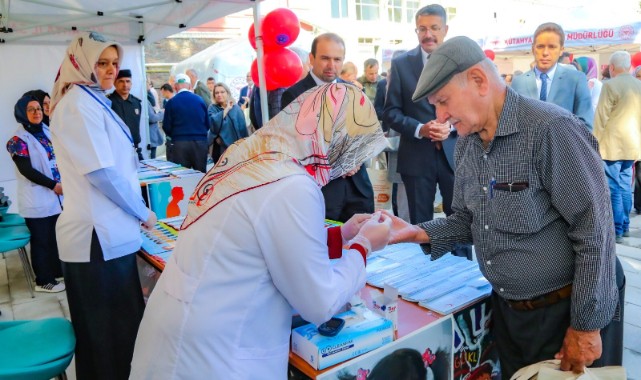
326	132
588	66
78	64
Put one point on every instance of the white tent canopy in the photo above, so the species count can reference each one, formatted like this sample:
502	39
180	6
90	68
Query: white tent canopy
34	35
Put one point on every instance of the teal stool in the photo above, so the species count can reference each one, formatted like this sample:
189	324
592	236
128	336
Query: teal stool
12	220
17	238
36	350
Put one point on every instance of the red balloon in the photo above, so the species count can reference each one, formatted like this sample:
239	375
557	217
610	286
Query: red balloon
271	84
283	66
636	59
489	53
280	28
252	36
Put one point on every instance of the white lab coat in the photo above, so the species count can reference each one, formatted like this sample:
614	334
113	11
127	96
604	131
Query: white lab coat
36	201
222	308
86	138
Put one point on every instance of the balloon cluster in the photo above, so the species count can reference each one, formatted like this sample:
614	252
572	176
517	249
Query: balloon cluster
636	59
283	67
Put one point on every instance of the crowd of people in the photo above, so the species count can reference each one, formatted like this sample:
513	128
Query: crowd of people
535	171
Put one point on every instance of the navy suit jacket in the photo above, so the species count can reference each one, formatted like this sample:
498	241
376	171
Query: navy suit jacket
243	94
360	179
416	157
569	90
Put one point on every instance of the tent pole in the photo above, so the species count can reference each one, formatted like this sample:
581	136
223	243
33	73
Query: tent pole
260	62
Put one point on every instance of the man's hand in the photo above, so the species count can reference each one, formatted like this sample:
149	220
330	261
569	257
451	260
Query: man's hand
438	131
352	172
58	188
150	222
353	225
580	349
403	232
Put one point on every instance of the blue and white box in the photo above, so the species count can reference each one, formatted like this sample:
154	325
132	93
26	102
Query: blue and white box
364	331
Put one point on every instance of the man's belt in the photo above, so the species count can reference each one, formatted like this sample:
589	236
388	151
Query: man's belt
541	301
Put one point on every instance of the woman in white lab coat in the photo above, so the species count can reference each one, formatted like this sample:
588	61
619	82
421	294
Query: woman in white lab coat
98	231
254	246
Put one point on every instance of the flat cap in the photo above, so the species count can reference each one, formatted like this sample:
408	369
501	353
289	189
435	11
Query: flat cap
452	57
124	73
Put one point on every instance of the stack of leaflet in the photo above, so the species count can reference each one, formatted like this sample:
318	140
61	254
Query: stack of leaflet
443	285
160	164
159	243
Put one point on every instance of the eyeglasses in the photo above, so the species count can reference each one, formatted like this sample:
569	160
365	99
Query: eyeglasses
423	30
34	110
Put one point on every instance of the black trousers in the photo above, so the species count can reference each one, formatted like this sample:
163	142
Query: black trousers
528	337
421	192
190	154
343	200
44	249
106	306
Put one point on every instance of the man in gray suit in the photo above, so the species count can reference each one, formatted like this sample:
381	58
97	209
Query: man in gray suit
199	87
617	128
550	82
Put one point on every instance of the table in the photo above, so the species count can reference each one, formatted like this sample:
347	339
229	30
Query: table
461	338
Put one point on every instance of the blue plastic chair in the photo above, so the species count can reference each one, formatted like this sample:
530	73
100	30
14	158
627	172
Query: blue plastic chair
36	350
17	238
12	220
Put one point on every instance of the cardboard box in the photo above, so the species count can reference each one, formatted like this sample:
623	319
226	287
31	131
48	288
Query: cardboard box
364	331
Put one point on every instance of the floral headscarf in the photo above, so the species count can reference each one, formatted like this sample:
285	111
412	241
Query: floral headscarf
326	132
78	64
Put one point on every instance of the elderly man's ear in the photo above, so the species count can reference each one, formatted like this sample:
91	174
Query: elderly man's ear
478	77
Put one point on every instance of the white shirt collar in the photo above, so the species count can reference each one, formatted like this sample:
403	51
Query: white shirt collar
424	55
550	73
319	81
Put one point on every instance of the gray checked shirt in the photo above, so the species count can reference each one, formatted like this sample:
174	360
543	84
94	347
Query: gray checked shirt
556	231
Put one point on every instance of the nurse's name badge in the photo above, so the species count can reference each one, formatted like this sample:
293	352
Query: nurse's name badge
137	111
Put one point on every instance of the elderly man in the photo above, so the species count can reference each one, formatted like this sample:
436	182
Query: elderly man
617	127
529	193
199	87
186	125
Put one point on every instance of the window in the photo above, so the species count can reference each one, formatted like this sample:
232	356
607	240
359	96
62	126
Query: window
367	10
411	7
395	11
339	9
451	13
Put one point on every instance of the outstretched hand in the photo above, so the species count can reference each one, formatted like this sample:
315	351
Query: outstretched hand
404	232
580	349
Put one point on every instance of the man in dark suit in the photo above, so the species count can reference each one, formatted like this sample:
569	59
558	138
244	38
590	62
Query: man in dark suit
561	85
353	194
425	153
246	92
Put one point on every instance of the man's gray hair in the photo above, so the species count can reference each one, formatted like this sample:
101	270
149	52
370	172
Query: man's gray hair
621	60
192	72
